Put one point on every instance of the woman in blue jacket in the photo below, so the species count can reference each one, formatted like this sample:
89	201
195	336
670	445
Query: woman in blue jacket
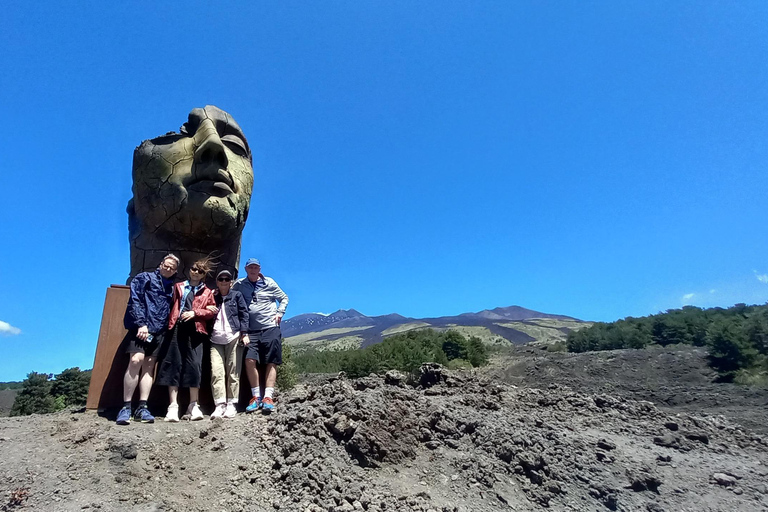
226	349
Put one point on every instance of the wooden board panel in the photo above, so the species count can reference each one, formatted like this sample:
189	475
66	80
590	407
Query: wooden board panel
109	364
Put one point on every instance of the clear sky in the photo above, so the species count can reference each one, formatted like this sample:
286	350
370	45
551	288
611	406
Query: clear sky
593	159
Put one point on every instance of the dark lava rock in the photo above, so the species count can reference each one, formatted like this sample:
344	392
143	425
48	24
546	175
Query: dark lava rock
431	374
606	445
643	480
667	440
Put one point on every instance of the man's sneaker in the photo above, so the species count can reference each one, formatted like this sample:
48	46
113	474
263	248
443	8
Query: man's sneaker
230	411
268	405
124	416
194	412
143	415
219	411
173	413
254	404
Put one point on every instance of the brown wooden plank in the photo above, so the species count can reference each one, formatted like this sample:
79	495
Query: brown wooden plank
109	364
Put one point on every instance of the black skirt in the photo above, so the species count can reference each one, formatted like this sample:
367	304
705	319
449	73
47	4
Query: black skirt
181	356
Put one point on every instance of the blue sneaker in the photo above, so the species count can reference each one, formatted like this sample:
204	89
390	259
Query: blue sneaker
267	405
143	415
254	404
124	416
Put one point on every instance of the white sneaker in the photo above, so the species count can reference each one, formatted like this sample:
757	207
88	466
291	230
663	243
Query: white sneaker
173	413
219	411
231	410
194	412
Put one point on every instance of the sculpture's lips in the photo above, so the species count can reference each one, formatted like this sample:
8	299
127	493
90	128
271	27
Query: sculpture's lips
212	187
217	183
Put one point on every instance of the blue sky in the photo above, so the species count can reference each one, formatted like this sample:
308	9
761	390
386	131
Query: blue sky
593	159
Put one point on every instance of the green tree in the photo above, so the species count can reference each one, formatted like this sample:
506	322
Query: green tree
35	396
362	363
454	345
71	386
477	353
729	347
756	328
670	329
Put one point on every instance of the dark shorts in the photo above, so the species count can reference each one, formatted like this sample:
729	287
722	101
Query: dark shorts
137	346
265	346
181	357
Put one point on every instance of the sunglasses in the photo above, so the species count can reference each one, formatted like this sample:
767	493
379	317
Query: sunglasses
224	279
199	271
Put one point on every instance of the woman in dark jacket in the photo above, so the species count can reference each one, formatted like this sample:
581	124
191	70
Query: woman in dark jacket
226	347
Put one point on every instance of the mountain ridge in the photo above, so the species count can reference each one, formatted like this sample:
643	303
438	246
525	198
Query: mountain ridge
348	328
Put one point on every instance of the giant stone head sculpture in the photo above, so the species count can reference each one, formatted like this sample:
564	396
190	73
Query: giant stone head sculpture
191	193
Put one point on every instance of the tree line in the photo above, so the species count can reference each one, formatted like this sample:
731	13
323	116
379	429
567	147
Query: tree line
404	352
736	337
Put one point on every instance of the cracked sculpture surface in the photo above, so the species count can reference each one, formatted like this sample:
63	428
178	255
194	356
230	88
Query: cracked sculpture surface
191	193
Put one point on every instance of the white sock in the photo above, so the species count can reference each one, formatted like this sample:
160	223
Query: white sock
233	401
256	391
268	392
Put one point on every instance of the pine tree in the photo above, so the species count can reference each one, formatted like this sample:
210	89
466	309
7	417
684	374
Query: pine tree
35	396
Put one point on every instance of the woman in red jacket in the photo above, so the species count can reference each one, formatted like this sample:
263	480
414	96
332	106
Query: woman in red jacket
182	357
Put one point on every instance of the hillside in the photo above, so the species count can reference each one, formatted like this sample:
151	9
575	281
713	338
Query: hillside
572	434
7	396
351	329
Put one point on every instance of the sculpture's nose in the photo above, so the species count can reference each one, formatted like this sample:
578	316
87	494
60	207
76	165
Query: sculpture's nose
209	148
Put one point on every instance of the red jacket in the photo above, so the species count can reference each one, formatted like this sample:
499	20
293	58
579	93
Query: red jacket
203	298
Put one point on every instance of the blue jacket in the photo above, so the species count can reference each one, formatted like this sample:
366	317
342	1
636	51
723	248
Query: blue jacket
236	309
150	302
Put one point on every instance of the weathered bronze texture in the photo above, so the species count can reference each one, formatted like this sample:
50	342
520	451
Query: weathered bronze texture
191	193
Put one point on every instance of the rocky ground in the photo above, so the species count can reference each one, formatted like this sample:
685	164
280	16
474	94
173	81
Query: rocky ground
534	431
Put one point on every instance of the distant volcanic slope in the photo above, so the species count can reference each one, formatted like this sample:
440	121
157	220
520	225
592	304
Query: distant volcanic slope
351	329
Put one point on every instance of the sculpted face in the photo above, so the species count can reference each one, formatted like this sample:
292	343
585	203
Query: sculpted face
193	185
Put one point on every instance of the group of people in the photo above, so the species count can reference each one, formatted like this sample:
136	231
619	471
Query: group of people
174	323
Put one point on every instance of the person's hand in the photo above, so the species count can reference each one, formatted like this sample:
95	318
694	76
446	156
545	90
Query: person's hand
213	308
244	338
143	333
278	319
187	315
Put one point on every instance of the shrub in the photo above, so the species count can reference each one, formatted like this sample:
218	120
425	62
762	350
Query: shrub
459	364
287	374
557	347
756	377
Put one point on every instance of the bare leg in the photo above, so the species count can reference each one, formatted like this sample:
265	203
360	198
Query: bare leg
145	383
253	374
131	378
173	394
271	375
194	394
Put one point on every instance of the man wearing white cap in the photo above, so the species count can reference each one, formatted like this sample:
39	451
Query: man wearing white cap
264	341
